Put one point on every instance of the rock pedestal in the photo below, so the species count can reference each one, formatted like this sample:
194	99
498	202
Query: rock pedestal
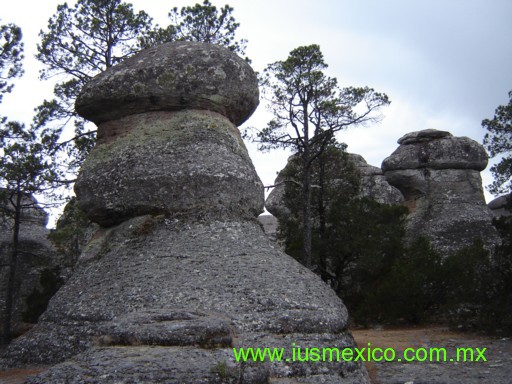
439	176
180	271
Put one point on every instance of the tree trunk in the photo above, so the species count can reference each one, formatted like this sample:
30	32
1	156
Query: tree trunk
7	325
321	216
306	214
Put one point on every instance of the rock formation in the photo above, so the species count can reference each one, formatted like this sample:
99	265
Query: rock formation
439	176
373	184
37	258
180	271
501	206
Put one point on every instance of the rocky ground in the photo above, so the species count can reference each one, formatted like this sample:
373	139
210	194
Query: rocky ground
497	369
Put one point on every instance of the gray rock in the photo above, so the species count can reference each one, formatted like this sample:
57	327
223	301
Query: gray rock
172	77
179	163
180	271
275	200
501	206
145	364
373	184
423	136
439	176
36	257
269	224
436	150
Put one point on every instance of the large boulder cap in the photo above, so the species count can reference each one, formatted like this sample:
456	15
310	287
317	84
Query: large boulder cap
172	77
435	149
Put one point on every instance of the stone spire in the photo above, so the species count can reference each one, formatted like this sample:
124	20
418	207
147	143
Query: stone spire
180	272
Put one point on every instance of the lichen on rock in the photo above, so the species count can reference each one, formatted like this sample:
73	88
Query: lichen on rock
439	176
180	271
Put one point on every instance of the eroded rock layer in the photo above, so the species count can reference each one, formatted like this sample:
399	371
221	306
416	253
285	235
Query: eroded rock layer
180	271
439	176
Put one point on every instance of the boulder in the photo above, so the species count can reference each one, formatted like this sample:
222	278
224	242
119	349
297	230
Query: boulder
373	185
40	269
171	77
501	206
439	176
180	271
175	163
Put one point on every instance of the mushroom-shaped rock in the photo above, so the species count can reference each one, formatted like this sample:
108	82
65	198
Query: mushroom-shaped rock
167	140
180	272
173	77
501	206
436	150
439	176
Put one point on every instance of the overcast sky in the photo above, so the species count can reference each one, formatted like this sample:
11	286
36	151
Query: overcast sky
445	64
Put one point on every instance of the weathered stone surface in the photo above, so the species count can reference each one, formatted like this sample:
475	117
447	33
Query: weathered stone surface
501	206
423	136
269	224
436	150
179	163
439	176
36	257
373	184
145	364
275	200
180	271
235	286
173	77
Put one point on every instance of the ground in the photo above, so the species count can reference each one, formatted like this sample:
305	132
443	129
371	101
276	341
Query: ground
497	369
498	353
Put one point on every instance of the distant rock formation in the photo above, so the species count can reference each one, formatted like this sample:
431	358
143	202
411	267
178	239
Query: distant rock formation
180	271
38	263
439	176
269	224
501	206
373	185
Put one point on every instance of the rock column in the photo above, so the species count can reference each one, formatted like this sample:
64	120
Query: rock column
180	271
439	176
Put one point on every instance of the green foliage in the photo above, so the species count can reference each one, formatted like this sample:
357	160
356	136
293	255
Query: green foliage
11	56
358	247
331	175
411	289
37	300
79	43
68	235
355	240
207	24
26	167
498	141
309	108
479	285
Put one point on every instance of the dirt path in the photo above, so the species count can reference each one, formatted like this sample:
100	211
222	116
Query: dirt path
496	370
17	376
